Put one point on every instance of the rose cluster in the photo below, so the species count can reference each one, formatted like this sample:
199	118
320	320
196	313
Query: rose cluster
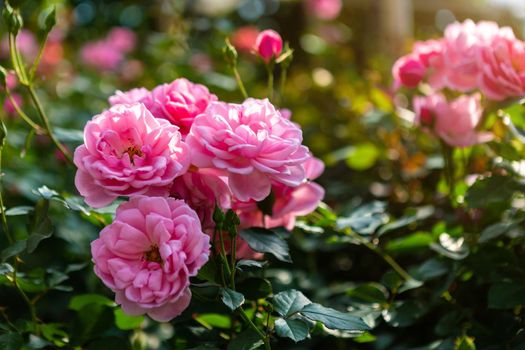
471	56
176	152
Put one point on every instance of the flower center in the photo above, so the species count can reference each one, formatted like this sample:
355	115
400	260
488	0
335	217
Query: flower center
153	254
133	151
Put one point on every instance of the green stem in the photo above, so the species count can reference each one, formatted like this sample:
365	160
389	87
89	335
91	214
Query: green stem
47	125
16	59
282	83
233	257
2	208
449	169
25	117
252	325
269	69
36	62
30	305
239	81
387	258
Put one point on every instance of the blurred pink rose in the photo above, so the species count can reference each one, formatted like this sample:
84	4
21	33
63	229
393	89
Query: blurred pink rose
269	44
252	142
9	108
408	71
462	43
101	55
128	152
128	97
202	189
454	122
425	61
122	39
147	255
502	65
324	9
26	43
179	102
11	80
244	38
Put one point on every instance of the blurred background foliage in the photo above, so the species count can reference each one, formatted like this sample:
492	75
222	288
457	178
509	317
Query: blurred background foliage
383	178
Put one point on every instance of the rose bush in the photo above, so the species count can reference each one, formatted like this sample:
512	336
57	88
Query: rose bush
243	175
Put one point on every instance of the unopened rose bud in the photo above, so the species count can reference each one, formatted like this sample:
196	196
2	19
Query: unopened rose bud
269	44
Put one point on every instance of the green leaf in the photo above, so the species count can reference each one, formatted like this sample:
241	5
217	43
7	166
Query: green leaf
45	192
21	210
294	329
494	189
214	321
11	341
6	269
41	226
430	269
50	20
451	247
496	230
419	215
334	319
266	241
409	243
506	295
231	298
465	343
365	219
250	263
369	293
127	322
247	340
289	302
403	313
79	301
54	333
14	249
3	134
362	156
69	135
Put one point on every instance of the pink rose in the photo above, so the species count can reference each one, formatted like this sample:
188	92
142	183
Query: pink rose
268	44
408	71
244	38
462	44
179	102
454	122
502	65
147	255
101	55
128	152
202	189
122	39
324	9
426	60
128	97
253	143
